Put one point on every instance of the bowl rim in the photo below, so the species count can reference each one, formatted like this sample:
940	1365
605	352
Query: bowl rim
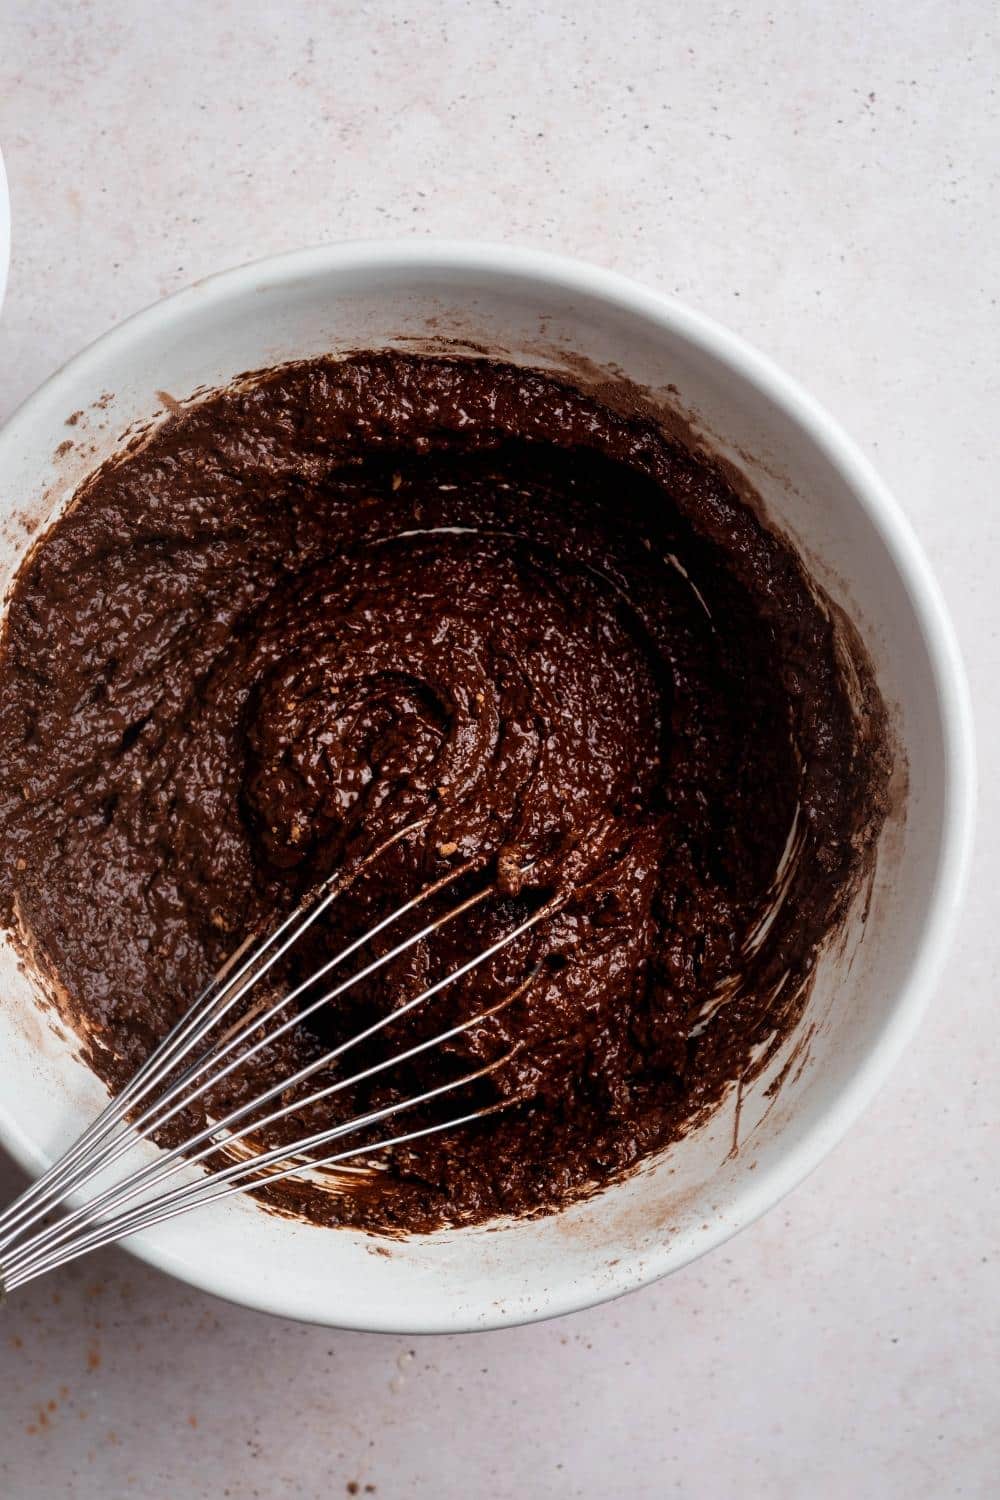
764	1188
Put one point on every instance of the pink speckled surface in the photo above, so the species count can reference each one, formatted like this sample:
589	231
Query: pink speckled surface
822	177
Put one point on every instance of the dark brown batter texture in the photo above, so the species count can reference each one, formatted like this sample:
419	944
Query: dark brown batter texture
343	599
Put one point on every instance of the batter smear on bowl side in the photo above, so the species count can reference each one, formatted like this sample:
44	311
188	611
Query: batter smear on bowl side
345	598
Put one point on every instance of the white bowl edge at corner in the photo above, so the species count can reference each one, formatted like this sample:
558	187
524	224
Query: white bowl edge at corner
207	331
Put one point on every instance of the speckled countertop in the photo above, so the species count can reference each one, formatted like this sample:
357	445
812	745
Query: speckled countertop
823	178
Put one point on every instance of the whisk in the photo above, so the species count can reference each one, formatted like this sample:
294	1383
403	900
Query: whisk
139	1195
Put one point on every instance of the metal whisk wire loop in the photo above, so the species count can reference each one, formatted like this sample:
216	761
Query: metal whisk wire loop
196	1058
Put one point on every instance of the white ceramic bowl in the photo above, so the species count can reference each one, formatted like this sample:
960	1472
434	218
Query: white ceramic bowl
870	991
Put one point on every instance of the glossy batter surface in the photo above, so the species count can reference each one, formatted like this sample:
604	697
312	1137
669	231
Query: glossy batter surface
346	599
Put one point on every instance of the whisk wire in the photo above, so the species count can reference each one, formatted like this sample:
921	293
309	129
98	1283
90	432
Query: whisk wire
29	1247
10	1282
178	1157
227	988
156	1116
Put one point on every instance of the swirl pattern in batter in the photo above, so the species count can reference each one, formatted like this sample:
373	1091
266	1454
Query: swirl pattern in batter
466	614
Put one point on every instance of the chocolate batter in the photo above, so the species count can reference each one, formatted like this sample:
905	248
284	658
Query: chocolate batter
344	599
